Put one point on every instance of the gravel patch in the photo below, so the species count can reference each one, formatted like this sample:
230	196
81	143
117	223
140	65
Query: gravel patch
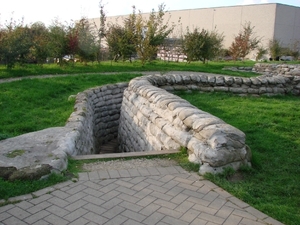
128	164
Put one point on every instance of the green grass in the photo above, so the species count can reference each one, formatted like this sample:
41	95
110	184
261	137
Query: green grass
10	189
107	66
272	126
35	104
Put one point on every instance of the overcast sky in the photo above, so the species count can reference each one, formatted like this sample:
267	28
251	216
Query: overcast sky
67	10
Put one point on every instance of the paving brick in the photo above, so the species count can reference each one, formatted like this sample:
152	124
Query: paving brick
161	196
108	188
198	201
128	198
233	220
77	189
4	216
153	171
113	174
163	170
76	197
172	170
205	209
21	198
38	207
110	195
83	176
174	191
173	221
190	215
57	201
113	211
94	208
224	212
146	201
150	180
79	221
140	186
93	175
149	209
6	207
164	203
60	194
243	214
143	171
75	205
238	202
111	203
184	206
169	212
134	173
36	217
143	193
154	218
256	213
217	203
58	211
211	218
130	206
157	188
103	174
124	184
43	191
182	180
55	220
41	222
131	222
13	220
93	192
93	200
124	173
75	214
24	205
195	194
179	198
126	190
210	196
95	218
188	187
180	169
40	199
133	215
117	219
246	221
137	180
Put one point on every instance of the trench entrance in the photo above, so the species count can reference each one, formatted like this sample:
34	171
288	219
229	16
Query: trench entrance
110	147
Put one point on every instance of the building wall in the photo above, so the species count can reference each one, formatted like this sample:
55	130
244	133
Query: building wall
287	24
270	21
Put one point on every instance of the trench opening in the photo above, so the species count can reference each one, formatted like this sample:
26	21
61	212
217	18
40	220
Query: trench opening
109	147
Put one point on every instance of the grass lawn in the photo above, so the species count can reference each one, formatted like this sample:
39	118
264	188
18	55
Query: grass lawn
107	66
272	126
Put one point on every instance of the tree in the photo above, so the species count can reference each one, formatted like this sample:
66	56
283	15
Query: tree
40	37
202	45
15	43
244	42
151	33
275	48
261	51
87	44
58	42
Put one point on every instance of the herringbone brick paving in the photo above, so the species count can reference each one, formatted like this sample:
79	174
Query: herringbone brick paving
161	196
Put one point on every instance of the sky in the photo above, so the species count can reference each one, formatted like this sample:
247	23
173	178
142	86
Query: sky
31	11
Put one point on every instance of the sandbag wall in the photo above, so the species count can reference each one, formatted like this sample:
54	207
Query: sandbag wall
153	119
95	119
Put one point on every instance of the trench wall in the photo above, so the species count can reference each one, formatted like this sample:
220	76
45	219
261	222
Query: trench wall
153	119
95	119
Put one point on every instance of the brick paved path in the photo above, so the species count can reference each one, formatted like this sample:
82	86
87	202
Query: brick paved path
163	195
